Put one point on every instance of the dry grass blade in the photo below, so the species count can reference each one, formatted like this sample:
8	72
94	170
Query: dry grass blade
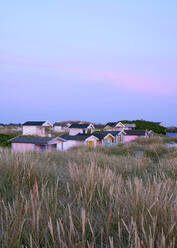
90	197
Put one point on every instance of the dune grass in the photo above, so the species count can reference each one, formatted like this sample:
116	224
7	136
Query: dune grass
89	197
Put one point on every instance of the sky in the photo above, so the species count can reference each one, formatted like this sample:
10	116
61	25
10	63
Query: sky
93	60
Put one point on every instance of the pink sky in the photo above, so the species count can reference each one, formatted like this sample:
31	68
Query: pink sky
131	82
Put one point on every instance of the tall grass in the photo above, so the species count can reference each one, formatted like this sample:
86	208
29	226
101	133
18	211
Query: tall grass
89	198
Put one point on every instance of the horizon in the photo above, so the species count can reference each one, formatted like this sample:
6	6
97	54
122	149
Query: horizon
83	121
94	61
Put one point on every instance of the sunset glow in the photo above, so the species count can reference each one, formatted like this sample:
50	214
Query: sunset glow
88	57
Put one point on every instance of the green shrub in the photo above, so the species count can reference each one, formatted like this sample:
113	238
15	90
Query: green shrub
5	137
149	125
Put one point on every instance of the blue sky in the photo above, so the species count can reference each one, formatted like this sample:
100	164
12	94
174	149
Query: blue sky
90	60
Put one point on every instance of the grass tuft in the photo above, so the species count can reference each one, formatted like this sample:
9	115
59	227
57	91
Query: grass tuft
90	197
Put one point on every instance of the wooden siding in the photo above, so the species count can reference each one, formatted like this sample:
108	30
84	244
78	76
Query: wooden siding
26	147
109	137
22	147
68	144
34	130
128	138
75	131
171	134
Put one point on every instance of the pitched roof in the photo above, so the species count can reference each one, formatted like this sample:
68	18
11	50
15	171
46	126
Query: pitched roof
78	137
62	124
136	132
102	134
33	140
114	133
171	130
99	135
77	125
34	123
111	124
99	126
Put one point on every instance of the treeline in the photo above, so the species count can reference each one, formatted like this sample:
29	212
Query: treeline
149	125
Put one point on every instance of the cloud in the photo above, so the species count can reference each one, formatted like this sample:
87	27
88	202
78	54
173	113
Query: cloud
138	83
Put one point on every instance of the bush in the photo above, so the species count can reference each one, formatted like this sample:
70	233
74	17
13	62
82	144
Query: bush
149	125
4	139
